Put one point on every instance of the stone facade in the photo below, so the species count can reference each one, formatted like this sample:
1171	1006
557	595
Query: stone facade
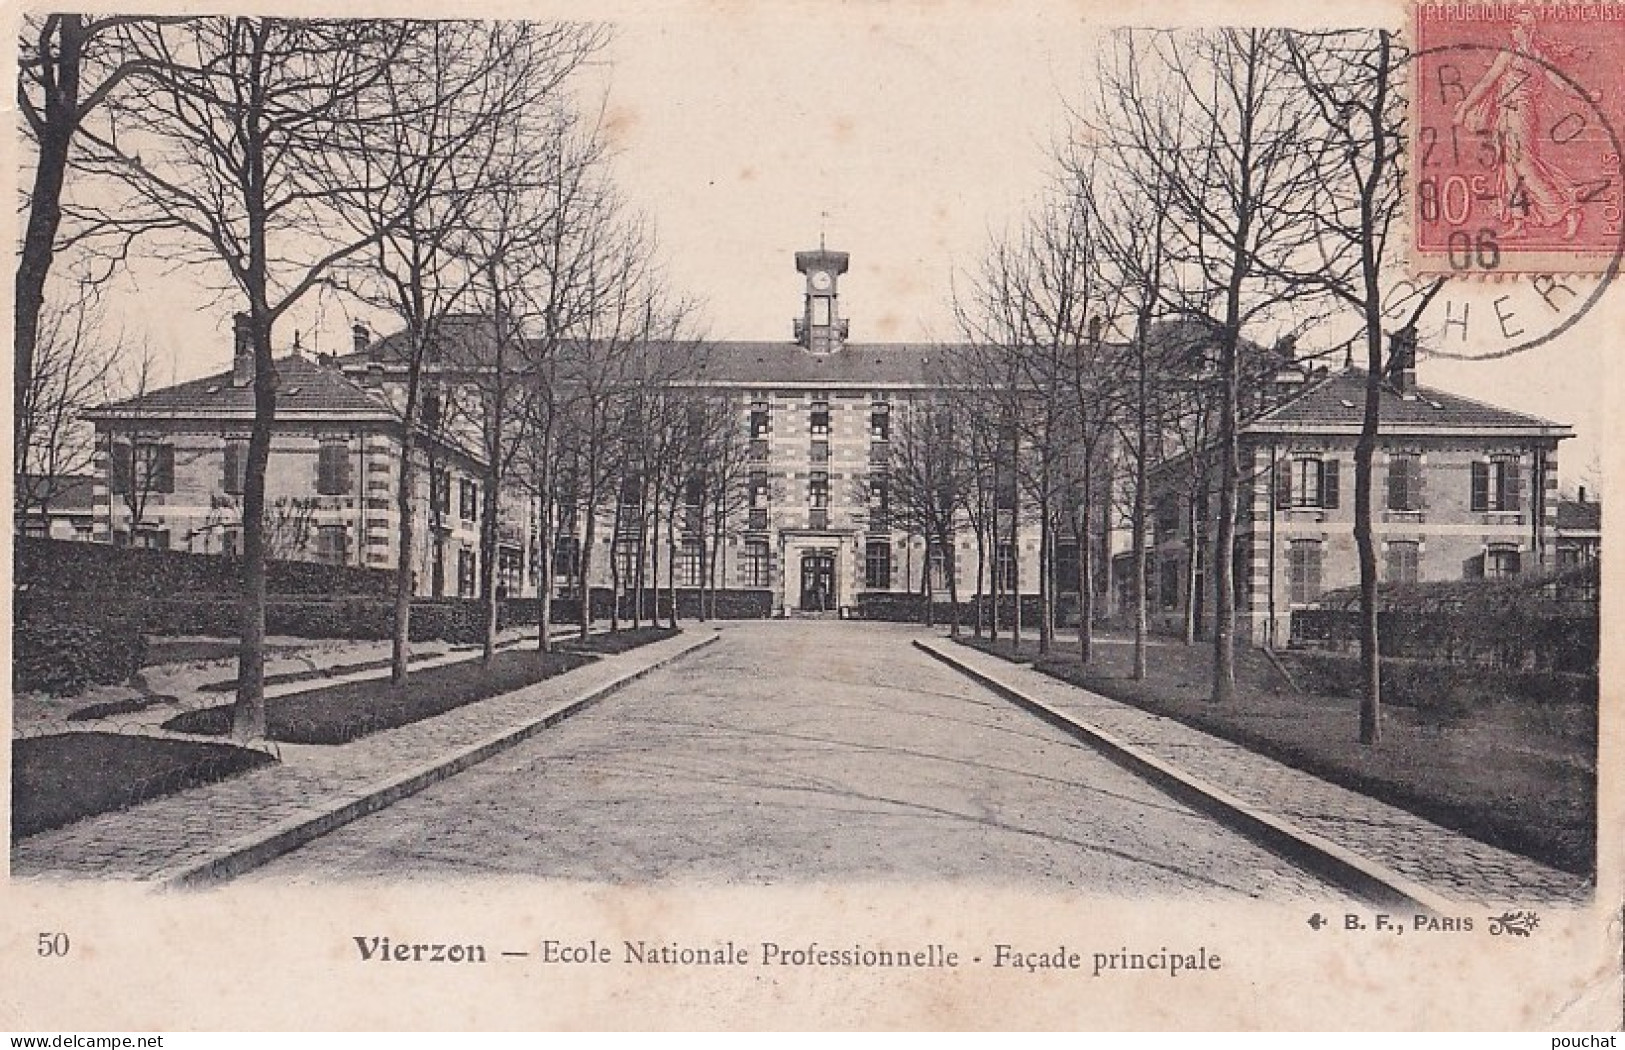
1460	490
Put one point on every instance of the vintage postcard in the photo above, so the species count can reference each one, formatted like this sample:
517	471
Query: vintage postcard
802	516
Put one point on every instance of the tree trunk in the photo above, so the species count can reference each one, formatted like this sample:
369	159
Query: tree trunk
1224	605
590	509
1141	498
490	540
61	119
400	650
1046	581
248	713
981	568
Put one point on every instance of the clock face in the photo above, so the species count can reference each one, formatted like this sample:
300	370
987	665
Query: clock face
821	280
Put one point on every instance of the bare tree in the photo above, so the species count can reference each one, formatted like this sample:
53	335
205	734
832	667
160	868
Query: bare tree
1221	121
1352	78
222	150
73	359
68	65
924	485
450	110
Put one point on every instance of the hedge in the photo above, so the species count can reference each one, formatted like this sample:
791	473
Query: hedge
1441	687
64	656
743	604
74	569
900	607
458	620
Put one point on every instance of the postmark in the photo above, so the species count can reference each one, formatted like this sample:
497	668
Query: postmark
1516	159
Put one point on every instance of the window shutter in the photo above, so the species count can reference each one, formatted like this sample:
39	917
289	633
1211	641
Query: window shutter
1283	484
118	467
1512	486
1481	492
232	482
1473	568
1396	483
163	468
1419	484
1328	484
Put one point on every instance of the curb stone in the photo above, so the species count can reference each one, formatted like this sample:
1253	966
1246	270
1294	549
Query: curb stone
1360	875
261	847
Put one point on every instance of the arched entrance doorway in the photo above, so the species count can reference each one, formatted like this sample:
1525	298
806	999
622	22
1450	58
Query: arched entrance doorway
817	581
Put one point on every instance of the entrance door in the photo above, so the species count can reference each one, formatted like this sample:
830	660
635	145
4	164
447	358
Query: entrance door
817	582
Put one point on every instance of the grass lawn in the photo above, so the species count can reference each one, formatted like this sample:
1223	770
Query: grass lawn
56	780
1505	775
341	713
619	642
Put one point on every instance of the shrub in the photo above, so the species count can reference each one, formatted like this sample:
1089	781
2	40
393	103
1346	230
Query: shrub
64	656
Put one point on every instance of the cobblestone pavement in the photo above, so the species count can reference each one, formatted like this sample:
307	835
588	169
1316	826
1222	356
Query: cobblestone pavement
190	826
797	752
1453	865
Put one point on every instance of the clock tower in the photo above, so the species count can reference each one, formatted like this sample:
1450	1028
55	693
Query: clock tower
820	329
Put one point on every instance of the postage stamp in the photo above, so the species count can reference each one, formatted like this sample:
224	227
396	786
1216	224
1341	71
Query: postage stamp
1516	114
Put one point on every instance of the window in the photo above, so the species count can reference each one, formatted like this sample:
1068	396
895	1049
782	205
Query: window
1004	567
1168	584
1067	567
1497	484
468	500
626	561
820	420
230	542
879	504
467	573
1402	561
940	561
758	422
236	466
441	484
818	490
1166	521
566	557
147	466
1501	562
333	467
152	538
1307	482
1303	564
754	567
431	410
758	489
688	564
880	423
333	544
877	565
1405	481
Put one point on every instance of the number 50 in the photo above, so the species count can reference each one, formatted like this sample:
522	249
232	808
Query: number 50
53	945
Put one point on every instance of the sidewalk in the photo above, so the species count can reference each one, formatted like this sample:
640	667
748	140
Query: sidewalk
217	829
1449	864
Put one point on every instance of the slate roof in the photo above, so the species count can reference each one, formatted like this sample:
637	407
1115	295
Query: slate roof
1574	516
1337	404
304	387
783	363
465	342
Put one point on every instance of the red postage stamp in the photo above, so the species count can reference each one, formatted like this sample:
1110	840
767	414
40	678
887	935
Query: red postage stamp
1517	115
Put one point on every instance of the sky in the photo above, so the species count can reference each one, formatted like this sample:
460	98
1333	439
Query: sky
905	134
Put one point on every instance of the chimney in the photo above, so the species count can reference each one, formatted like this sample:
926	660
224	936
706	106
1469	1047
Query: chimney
1582	493
242	355
1402	362
362	336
